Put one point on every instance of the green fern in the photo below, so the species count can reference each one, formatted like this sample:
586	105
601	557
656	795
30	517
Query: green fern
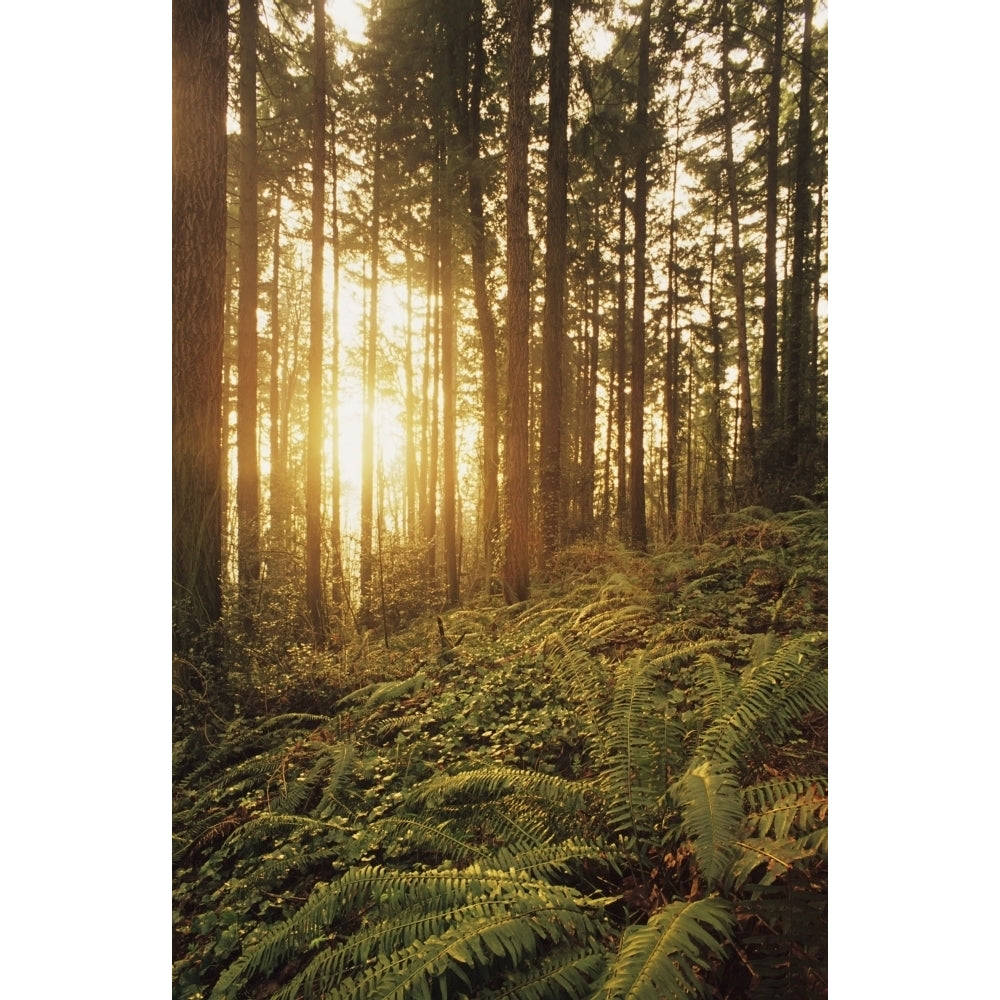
633	778
666	958
770	699
420	929
712	811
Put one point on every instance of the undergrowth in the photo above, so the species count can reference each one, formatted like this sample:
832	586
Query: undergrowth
617	789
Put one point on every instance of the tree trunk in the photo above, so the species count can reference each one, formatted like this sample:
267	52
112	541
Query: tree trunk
484	314
554	317
516	566
199	55
769	345
800	292
449	387
278	476
637	472
745	446
621	365
248	473
336	553
371	360
315	602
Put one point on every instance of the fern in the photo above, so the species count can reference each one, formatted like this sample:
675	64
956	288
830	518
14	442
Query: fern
662	959
770	699
633	777
712	810
420	928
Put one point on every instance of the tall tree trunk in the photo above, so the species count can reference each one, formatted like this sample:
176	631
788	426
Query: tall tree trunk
336	548
248	474
554	316
484	314
412	480
588	395
449	387
278	477
199	56
800	292
745	475
315	602
671	386
769	345
621	364
516	566
637	471
371	359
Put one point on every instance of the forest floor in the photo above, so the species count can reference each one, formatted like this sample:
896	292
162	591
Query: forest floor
616	788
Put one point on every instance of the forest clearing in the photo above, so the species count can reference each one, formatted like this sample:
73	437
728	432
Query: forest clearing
499	528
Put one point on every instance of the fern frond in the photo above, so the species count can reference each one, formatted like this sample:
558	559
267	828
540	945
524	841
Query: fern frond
781	807
634	772
416	835
770	698
660	960
383	692
420	928
712	811
570	972
491	783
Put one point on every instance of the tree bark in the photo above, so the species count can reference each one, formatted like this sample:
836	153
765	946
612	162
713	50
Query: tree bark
769	345
516	565
637	472
484	313
199	55
248	472
371	360
554	316
315	602
800	292
745	447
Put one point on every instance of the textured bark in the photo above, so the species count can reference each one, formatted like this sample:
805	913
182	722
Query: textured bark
315	601
745	445
337	569
621	365
278	477
800	291
554	316
248	473
769	344
198	301
449	391
517	578
484	314
371	357
637	471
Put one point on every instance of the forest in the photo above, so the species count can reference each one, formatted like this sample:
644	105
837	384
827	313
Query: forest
499	499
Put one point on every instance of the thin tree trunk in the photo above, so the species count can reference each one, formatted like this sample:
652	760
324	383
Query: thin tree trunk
248	474
798	320
637	471
769	345
745	447
278	477
621	366
554	316
199	55
449	388
371	358
336	546
516	566
315	602
412	479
